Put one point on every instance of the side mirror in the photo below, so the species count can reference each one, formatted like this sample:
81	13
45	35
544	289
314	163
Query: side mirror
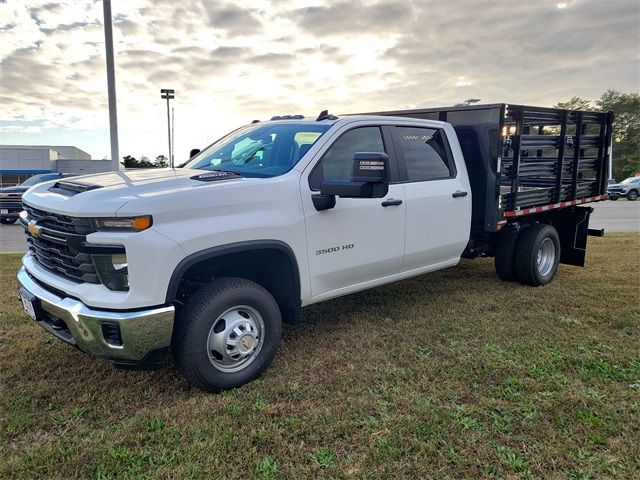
194	152
369	178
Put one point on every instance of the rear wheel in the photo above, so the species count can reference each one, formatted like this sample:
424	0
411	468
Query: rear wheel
632	195
537	255
613	197
8	221
227	334
505	252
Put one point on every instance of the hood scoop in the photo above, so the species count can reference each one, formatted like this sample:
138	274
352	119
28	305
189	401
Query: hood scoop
215	175
70	188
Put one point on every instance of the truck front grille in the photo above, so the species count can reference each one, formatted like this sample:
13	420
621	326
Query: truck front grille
60	223
57	245
12	202
62	260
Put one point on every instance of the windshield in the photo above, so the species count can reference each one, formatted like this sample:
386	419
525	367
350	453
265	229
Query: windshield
38	179
257	150
631	180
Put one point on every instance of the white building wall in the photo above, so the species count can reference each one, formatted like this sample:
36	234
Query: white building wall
19	162
83	167
27	159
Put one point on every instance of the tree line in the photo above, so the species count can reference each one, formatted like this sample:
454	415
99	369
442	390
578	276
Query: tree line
131	162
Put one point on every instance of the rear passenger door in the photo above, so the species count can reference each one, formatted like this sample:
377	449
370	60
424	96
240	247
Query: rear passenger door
437	194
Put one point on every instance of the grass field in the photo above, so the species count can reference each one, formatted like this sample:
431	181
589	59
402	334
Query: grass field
449	375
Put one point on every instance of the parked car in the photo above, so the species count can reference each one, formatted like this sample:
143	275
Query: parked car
629	187
208	260
11	197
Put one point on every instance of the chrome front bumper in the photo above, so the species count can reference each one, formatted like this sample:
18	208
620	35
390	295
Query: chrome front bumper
141	332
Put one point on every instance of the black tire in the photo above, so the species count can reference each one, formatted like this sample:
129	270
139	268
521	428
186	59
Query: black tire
195	324
613	197
528	270
8	221
632	196
505	253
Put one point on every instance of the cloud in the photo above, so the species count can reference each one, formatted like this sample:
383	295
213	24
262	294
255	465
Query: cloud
353	17
232	18
230	62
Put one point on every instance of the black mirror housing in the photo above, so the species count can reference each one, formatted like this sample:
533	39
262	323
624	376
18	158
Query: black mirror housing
369	178
370	167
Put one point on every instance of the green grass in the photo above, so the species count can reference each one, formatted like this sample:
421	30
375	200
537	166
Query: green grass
449	375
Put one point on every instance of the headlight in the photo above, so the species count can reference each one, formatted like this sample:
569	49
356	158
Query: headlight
112	270
127	224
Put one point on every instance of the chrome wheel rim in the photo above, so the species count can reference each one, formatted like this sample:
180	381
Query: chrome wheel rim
235	338
546	257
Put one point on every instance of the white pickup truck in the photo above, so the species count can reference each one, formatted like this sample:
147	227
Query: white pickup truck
206	261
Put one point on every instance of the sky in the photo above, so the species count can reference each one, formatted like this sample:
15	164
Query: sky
236	61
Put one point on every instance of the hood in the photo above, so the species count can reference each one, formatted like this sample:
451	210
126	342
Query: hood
104	194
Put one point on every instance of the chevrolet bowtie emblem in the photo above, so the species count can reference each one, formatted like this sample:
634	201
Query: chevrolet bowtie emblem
34	229
245	343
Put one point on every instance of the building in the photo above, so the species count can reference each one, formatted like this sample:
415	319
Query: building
19	162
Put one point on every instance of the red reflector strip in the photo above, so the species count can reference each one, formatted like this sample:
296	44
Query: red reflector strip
544	208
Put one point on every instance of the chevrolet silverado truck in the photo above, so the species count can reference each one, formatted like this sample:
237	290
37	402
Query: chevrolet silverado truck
11	197
207	261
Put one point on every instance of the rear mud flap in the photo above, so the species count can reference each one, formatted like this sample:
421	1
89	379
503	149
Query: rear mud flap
573	228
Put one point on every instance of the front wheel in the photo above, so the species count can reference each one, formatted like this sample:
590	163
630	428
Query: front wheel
632	195
613	197
537	255
227	334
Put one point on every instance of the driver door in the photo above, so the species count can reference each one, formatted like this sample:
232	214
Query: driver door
360	240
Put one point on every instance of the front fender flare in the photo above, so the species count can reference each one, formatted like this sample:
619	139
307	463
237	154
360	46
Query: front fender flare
226	249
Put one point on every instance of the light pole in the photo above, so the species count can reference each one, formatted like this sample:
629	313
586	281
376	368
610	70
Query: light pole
111	85
168	94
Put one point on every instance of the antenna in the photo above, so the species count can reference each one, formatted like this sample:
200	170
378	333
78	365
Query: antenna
467	102
325	115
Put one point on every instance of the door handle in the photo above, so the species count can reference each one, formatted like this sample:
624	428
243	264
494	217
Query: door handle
391	202
458	194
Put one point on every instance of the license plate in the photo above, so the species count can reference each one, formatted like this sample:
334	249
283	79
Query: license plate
4	211
28	306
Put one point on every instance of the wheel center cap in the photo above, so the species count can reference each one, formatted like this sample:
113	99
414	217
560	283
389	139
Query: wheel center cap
246	344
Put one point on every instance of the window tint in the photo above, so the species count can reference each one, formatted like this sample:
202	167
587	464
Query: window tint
425	153
337	162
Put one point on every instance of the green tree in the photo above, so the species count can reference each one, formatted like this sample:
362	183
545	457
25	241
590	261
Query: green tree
129	162
162	161
626	131
132	162
576	103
